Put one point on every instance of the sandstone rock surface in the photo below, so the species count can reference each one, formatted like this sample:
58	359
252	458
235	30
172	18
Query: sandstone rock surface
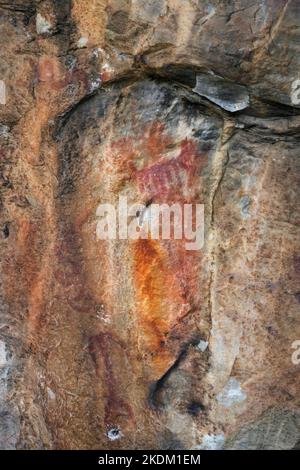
141	344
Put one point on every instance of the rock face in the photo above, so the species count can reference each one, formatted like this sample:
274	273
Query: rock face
143	344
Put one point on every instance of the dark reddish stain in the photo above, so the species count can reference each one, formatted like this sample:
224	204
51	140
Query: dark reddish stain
161	176
297	295
101	348
297	264
170	174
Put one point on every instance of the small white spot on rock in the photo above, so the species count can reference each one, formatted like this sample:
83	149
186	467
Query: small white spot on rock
51	394
95	84
295	93
231	394
96	52
42	25
2	92
3	356
102	315
114	434
82	42
5	363
202	345
106	67
4	130
212	442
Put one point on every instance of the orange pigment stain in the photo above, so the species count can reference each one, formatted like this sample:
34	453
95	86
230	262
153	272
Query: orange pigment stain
105	76
161	301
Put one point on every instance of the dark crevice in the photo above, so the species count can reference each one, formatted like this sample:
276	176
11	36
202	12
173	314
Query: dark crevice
18	8
28	11
64	118
5	230
63	17
297	446
158	386
195	408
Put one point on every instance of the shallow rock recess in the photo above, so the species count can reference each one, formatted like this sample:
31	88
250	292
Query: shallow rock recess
141	344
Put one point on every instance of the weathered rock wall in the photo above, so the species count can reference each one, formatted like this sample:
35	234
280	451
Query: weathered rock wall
141	343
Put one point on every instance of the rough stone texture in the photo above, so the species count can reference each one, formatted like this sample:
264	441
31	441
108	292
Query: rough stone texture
103	344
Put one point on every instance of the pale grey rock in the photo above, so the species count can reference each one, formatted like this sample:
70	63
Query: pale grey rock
229	96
